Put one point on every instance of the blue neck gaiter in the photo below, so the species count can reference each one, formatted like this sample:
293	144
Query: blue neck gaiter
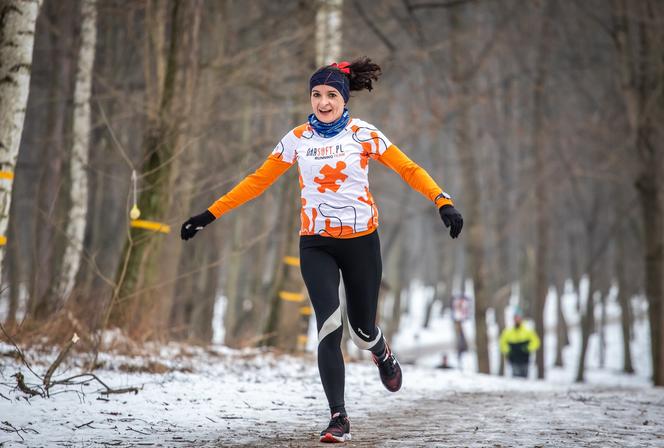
328	130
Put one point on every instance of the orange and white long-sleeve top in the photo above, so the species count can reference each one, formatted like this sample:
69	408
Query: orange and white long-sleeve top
334	182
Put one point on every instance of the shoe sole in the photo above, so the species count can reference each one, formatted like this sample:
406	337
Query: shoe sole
329	438
391	389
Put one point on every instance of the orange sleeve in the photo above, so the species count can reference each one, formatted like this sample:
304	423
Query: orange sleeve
251	186
414	175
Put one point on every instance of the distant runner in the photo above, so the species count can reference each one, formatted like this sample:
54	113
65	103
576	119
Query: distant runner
518	342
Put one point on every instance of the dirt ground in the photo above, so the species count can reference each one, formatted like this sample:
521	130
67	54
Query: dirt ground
603	418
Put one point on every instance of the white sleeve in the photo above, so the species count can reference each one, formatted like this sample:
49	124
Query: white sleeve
286	148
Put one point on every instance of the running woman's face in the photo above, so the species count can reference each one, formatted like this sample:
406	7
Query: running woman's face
327	103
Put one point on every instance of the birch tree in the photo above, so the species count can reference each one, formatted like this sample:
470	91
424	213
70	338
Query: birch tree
18	20
78	192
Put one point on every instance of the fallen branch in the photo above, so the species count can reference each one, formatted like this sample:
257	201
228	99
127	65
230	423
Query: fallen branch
109	390
85	424
20	381
61	357
17	430
136	430
12	429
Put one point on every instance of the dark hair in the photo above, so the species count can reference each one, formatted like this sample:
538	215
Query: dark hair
347	76
362	71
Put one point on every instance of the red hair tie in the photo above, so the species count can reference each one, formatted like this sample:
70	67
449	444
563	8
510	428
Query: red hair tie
343	66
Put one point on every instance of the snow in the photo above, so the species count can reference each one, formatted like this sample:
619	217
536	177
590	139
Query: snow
217	396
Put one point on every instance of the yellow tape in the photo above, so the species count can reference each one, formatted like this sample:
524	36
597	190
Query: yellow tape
3	240
150	225
292	261
302	339
291	296
306	311
6	175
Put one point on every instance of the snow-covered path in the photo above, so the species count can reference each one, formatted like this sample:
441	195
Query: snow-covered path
251	399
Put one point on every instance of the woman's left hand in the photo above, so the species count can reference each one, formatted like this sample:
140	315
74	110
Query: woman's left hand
452	219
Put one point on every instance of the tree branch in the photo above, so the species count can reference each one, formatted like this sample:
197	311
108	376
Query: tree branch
447	4
372	26
19	351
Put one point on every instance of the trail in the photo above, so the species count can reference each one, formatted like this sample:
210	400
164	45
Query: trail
224	398
582	418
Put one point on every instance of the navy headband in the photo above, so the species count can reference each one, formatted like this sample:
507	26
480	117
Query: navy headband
332	76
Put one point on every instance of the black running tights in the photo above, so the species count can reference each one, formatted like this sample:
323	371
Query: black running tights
322	259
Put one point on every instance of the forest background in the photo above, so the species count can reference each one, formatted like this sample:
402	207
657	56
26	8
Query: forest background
543	119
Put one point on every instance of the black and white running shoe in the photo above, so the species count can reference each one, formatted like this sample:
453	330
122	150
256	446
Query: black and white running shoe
338	431
389	369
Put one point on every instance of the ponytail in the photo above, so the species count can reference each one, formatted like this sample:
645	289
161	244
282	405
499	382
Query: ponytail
362	72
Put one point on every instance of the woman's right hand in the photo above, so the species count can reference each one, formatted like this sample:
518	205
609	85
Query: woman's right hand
191	226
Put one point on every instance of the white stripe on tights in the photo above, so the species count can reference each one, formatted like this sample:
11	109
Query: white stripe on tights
332	323
361	343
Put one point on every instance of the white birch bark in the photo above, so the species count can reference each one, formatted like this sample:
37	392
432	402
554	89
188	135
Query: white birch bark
18	19
328	31
79	155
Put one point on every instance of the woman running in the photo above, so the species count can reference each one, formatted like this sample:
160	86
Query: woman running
339	220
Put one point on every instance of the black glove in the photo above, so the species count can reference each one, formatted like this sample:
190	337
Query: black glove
451	218
195	223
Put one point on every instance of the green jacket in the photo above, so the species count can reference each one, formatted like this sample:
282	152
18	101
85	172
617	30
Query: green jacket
518	343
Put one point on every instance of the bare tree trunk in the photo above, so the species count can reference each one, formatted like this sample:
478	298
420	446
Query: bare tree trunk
595	278
637	37
505	114
587	325
441	291
18	20
602	331
287	283
653	217
561	329
254	316
401	262
500	301
541	186
233	288
473	218
575	269
78	192
200	322
237	260
184	129
624	293
14	271
49	214
133	308
199	272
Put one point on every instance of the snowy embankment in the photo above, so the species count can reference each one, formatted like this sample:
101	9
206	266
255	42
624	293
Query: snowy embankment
220	397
